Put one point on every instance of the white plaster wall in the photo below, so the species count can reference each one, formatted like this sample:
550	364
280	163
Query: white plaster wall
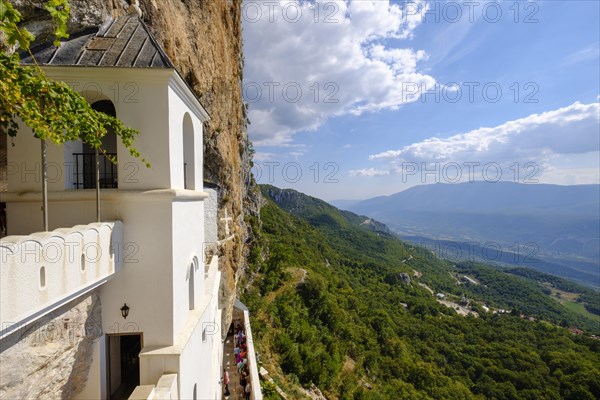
73	259
191	362
166	388
154	366
199	362
211	339
187	242
26	217
177	111
24	163
196	358
150	117
145	281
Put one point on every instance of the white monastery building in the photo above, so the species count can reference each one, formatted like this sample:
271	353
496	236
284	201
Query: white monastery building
129	304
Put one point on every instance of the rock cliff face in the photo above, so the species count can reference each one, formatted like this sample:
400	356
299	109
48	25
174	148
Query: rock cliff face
203	38
63	342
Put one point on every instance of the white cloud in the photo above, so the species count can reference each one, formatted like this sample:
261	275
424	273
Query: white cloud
368	172
263	156
560	144
589	53
335	56
296	154
571	129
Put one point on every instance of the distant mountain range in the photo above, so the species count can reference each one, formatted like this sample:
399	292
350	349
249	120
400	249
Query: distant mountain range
559	225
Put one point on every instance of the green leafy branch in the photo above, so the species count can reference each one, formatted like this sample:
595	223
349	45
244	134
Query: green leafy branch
52	109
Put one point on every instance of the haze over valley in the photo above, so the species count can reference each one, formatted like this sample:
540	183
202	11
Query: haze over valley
551	228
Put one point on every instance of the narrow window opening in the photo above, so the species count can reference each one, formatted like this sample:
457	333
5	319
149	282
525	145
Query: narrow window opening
42	282
188	153
191	294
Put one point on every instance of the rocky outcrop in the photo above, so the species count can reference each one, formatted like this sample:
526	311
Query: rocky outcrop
204	41
84	14
405	278
3	161
376	226
62	345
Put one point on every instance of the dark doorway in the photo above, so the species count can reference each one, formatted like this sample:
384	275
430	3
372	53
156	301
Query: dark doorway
3	229
123	365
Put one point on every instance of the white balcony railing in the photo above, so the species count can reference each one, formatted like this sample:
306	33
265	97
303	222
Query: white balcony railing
240	311
42	271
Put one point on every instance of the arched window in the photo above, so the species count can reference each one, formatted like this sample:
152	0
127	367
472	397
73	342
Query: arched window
188	153
85	157
191	288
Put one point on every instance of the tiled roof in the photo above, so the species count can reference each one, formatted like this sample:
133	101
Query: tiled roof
122	42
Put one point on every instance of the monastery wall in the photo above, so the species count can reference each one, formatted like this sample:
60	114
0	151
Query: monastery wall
204	41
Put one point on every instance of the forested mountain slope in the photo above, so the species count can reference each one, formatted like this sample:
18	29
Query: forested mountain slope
350	308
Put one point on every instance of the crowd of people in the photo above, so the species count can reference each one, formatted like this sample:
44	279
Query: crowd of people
240	353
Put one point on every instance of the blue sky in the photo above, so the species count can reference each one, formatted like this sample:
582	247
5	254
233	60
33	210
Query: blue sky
353	99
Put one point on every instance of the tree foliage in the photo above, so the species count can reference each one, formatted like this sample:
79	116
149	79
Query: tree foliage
53	110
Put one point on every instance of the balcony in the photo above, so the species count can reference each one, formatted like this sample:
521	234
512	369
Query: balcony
85	171
45	270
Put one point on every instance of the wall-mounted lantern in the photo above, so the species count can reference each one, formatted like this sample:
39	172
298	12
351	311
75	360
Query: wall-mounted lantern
125	311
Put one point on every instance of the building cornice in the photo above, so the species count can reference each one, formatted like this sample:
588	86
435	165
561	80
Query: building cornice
187	95
109	74
175	195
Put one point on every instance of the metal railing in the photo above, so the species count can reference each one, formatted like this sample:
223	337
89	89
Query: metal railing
85	171
185	186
